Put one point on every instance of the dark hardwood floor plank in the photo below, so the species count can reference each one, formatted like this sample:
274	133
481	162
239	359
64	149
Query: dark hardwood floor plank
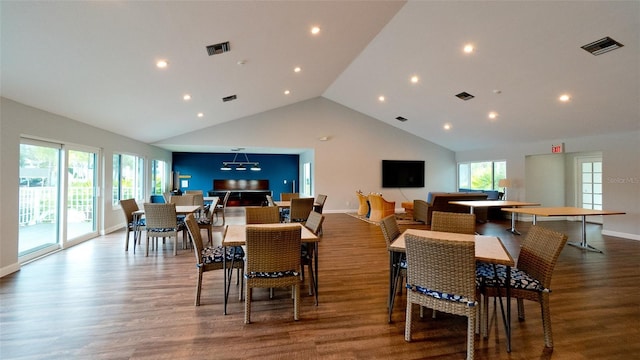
95	301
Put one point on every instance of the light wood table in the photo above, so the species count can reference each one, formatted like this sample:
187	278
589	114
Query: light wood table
236	235
567	211
500	203
488	249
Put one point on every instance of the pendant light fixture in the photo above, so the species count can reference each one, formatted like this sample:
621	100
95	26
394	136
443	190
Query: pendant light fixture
240	165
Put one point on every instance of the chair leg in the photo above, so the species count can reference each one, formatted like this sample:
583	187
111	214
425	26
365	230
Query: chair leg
146	251
199	287
247	305
407	324
296	302
520	309
126	242
471	335
546	319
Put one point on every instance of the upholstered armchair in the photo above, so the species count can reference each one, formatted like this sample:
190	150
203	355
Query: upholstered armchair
380	207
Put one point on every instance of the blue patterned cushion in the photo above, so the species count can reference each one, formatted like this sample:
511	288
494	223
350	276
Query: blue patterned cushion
212	255
519	279
161	229
274	274
442	295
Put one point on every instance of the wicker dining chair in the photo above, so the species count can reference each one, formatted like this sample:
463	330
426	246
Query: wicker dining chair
205	221
300	209
129	206
162	223
307	251
272	261
221	208
289	196
453	222
262	215
183	200
210	258
397	260
441	276
530	279
318	206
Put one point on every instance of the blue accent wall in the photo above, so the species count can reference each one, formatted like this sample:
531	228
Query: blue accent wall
205	167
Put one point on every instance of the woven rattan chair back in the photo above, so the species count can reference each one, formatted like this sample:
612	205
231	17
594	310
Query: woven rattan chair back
319	204
194	192
262	215
445	266
184	200
453	222
196	238
539	253
272	250
270	201
128	207
289	196
390	229
161	223
314	222
300	209
222	207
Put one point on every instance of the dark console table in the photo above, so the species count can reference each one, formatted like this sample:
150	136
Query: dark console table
243	192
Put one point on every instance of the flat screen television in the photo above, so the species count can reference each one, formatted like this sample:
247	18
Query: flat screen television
402	173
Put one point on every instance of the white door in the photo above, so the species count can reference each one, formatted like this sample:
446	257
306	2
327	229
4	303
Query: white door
590	185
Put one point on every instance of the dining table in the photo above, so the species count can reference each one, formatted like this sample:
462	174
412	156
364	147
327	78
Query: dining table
236	235
567	211
489	249
497	203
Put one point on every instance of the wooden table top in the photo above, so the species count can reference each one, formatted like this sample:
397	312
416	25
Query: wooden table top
561	211
488	248
489	203
180	210
236	235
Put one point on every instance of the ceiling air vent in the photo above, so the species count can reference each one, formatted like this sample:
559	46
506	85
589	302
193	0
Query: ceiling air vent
602	46
229	98
400	118
465	96
218	48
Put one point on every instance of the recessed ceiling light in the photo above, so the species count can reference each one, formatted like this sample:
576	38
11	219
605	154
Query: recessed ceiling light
493	115
564	97
415	79
287	92
468	48
447	126
315	30
186	97
200	114
381	98
162	64
297	69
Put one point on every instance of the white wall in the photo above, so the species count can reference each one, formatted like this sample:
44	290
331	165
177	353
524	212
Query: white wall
18	120
621	171
350	160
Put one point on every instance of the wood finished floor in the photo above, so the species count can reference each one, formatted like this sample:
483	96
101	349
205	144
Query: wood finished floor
95	301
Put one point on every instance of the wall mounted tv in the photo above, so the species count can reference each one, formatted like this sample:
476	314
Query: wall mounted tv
402	173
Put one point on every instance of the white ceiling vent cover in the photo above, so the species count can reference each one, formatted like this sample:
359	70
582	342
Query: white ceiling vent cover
218	48
602	46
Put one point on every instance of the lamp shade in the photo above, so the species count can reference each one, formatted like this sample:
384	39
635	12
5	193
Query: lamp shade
504	183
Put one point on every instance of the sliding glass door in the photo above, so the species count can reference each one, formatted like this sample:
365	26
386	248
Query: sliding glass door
52	216
39	195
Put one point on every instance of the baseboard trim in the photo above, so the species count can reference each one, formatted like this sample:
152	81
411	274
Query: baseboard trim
621	235
9	269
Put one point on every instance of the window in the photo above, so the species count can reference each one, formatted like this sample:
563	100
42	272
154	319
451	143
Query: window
158	177
483	175
128	177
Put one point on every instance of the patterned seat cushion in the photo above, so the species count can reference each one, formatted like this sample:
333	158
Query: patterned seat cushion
273	274
442	295
485	276
213	254
162	229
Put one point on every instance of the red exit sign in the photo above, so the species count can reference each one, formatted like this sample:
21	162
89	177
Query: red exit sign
556	149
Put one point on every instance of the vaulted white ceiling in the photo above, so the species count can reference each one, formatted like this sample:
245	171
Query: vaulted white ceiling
95	62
